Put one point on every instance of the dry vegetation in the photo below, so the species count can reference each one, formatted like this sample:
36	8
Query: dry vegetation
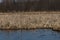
18	20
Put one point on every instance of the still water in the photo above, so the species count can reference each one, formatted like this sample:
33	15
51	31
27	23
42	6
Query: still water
39	34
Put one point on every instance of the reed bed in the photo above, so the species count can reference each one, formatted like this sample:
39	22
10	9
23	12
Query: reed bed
30	20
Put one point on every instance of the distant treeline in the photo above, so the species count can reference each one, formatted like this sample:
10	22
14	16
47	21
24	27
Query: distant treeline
40	5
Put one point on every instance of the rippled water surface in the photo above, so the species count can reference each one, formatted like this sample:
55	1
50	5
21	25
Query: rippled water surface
40	34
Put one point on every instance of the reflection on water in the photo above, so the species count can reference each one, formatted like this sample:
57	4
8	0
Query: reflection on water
40	34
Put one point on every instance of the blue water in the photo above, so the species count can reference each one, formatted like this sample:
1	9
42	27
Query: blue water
39	34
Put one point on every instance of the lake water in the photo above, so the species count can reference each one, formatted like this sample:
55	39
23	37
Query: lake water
39	34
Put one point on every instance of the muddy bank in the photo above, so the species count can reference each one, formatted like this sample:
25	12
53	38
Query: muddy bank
29	20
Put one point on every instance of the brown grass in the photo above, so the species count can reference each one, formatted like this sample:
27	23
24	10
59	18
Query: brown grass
18	20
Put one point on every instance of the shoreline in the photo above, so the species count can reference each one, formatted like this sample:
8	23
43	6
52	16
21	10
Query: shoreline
29	20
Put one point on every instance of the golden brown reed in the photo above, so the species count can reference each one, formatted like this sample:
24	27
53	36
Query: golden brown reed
29	20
